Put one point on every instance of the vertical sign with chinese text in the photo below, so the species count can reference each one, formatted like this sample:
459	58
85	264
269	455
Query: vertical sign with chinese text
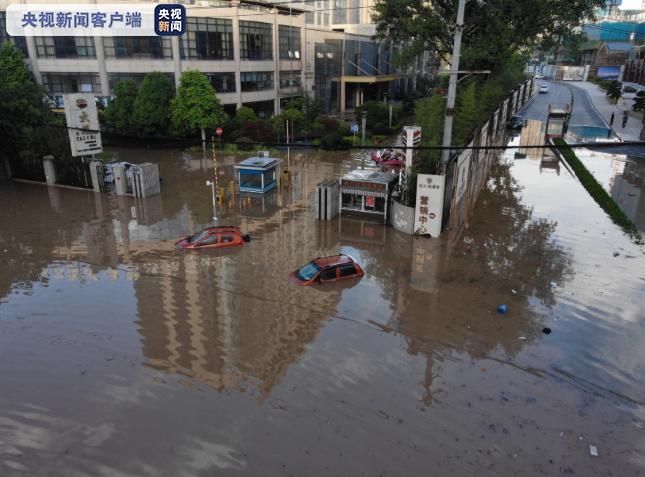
170	19
82	124
429	206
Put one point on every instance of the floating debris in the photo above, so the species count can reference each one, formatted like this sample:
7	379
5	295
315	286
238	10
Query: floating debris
502	309
546	331
593	450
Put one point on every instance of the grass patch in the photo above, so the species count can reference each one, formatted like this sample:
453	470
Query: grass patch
597	192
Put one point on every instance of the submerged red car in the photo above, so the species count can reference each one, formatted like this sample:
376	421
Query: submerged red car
214	237
327	270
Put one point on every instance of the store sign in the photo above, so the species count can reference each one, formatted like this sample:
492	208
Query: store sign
82	124
429	207
364	185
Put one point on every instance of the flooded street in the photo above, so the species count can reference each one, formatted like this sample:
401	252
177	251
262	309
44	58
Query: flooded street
121	356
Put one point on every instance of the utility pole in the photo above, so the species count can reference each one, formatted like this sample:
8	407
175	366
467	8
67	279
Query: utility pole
452	85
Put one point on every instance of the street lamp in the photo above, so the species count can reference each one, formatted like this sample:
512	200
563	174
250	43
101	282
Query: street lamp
212	186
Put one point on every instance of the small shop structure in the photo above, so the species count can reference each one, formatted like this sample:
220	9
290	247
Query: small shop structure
257	174
367	193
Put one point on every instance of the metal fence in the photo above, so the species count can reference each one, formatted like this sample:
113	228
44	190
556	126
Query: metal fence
27	166
74	173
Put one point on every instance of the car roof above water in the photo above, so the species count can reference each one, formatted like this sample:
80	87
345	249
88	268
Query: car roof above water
333	260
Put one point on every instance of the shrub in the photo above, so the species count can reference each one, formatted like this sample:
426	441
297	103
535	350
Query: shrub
615	90
245	144
329	125
244	115
333	141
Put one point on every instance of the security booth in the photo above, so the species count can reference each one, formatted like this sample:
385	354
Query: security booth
557	121
367	193
257	174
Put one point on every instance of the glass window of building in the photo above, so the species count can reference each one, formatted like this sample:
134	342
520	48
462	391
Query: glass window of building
65	47
255	40
222	82
256	81
55	83
19	41
208	39
137	47
289	40
340	12
290	79
114	78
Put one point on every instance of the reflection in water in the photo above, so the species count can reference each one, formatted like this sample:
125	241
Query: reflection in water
623	177
100	310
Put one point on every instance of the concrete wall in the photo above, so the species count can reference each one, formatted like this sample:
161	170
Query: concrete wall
402	218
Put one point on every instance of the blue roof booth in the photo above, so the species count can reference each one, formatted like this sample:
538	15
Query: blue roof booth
257	174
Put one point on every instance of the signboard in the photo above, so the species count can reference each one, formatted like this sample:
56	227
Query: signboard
463	167
354	127
83	124
608	72
219	132
170	19
364	185
83	19
429	207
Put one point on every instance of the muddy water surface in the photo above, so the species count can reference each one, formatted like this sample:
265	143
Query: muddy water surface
122	356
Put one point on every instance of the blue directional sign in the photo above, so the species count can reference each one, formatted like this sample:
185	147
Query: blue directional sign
354	127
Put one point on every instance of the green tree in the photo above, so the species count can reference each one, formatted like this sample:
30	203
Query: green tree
615	90
295	119
376	112
467	113
494	29
196	106
21	101
119	113
244	115
152	104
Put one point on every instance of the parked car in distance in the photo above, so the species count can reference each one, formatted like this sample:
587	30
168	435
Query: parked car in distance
214	237
544	88
516	122
629	89
539	76
327	270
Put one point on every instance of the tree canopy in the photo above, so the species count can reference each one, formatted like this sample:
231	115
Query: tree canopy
119	113
152	105
21	100
196	106
493	29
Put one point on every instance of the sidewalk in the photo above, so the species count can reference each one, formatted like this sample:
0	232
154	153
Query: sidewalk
603	105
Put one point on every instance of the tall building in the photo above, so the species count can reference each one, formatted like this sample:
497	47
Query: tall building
255	53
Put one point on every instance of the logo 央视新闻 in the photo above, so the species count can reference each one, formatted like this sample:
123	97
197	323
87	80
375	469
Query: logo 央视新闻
170	19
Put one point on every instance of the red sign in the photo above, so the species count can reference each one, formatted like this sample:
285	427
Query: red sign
219	132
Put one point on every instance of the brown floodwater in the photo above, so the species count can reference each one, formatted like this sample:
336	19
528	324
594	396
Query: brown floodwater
120	356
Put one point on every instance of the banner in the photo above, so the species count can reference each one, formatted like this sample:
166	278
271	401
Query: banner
83	124
429	207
